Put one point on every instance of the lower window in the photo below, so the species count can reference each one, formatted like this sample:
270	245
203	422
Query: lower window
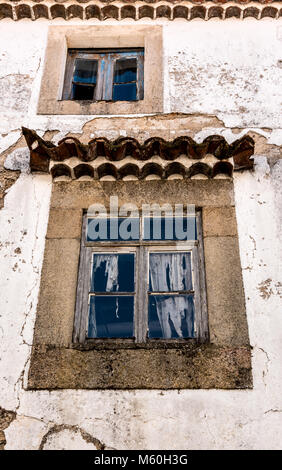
143	287
121	308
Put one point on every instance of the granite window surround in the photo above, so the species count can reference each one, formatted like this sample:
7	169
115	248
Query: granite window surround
63	38
222	362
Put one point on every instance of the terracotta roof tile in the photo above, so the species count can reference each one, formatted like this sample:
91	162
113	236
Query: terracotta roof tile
101	157
170	9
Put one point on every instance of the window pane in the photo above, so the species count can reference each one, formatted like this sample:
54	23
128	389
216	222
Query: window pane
111	317
170	272
125	92
82	92
170	228
171	316
85	71
84	78
125	71
113	273
114	229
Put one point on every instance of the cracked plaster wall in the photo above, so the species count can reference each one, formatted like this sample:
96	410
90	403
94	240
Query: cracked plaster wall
204	77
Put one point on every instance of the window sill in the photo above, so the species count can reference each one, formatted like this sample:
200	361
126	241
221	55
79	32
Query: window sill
72	107
198	366
101	344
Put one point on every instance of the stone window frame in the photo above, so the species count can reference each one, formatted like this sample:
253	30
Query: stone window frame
142	250
62	38
222	362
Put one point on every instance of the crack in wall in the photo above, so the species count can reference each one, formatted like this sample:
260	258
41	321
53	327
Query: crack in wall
273	410
28	308
265	372
57	428
29	304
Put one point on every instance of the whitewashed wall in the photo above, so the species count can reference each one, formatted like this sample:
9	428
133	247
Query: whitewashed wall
230	71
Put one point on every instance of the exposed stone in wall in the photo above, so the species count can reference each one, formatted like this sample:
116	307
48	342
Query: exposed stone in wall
142	128
263	147
12	162
6	417
7	179
167	126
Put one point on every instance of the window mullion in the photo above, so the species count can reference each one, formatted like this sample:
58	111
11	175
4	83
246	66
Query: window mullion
86	297
197	299
108	78
98	95
201	288
83	287
141	294
145	284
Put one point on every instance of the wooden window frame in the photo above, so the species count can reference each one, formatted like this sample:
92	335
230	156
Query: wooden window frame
106	59
142	250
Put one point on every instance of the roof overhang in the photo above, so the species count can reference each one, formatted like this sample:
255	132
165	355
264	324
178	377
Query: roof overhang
125	158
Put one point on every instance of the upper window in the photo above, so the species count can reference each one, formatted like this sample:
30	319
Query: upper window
103	70
108	75
139	279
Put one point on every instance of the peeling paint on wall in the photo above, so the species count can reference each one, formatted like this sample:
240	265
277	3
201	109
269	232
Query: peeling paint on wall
6	417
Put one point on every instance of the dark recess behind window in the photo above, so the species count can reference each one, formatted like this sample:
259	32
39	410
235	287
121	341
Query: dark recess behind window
84	79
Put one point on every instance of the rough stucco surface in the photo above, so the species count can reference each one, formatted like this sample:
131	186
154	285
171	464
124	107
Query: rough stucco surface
243	76
243	419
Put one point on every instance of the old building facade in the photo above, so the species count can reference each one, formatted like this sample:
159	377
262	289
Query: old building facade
199	124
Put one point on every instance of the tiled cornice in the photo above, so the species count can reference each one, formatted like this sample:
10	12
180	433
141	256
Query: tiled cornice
135	9
126	158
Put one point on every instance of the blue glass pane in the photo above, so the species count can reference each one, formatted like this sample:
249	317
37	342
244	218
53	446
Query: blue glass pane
125	71
111	317
170	228
170	272
171	316
125	92
82	92
114	229
85	71
113	272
